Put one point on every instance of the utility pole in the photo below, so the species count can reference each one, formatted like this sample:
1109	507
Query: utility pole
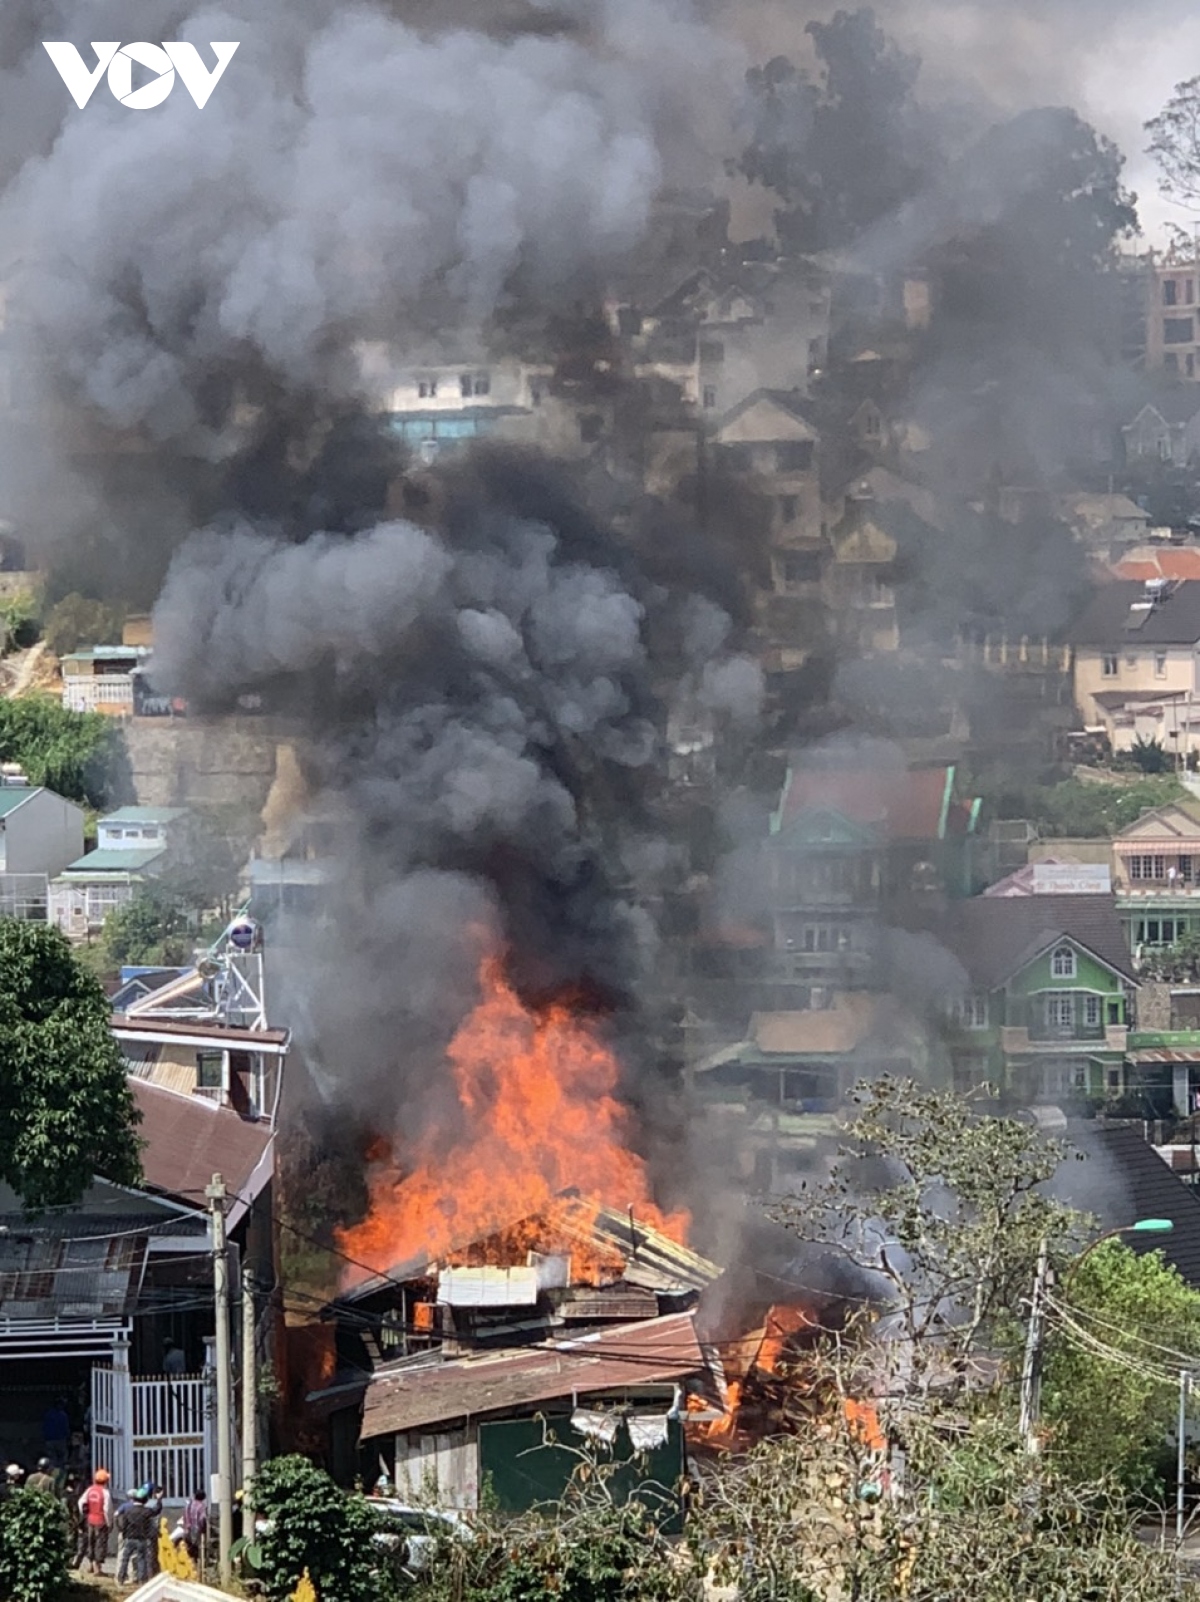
1185	1380
224	1379
249	1399
1031	1368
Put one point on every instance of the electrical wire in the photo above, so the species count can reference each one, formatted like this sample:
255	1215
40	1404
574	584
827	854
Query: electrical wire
1183	1359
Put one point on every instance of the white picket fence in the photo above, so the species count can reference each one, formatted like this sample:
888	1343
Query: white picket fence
153	1431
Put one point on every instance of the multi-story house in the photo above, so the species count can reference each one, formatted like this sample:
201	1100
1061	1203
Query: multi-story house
769	442
859	586
1172	334
133	844
1050	995
1136	648
1156	862
854	846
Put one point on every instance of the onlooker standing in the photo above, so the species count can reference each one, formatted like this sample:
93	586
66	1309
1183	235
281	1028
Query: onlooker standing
42	1479
96	1507
135	1525
195	1526
71	1495
56	1433
174	1359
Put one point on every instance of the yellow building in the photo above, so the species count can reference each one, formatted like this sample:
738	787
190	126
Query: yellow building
1135	653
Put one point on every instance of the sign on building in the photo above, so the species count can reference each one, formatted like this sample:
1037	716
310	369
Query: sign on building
1071	879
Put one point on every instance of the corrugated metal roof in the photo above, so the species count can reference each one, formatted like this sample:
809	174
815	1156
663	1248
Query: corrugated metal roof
652	1260
189	1139
144	815
13	796
43	1276
658	1351
1125	1179
112	861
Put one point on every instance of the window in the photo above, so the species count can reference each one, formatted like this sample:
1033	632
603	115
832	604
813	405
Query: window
873	425
535	394
794	457
1091	1012
1158	931
821	937
1189	291
1147	867
800	567
1060	1014
427	388
1170	292
483	383
788	505
1178	330
1062	964
710	397
1109	666
1160	664
1185	869
464	385
880	593
209	1066
972	1011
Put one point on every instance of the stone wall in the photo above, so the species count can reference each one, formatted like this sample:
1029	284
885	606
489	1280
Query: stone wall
202	761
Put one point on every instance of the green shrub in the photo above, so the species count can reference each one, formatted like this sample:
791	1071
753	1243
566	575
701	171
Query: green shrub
76	754
78	621
34	1548
315	1526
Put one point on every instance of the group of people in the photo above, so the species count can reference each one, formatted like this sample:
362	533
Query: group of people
136	1522
95	1515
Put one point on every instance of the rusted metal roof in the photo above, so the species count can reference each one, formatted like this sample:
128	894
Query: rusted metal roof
652	1260
658	1351
189	1139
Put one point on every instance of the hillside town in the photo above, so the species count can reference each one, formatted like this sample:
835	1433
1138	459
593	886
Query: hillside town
599	825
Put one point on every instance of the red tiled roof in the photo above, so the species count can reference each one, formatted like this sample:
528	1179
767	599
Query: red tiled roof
902	804
656	1351
189	1139
1168	564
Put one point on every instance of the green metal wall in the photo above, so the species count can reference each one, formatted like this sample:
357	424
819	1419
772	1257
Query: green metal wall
523	1468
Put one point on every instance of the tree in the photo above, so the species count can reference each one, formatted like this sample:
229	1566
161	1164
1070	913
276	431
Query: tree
939	1205
66	1109
1175	145
151	931
846	150
34	1548
1100	1410
317	1529
78	621
77	754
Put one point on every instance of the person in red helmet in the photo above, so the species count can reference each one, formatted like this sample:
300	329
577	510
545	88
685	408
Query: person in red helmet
96	1508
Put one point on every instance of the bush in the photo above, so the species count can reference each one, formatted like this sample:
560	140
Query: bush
76	754
318	1528
78	621
18	620
151	932
34	1548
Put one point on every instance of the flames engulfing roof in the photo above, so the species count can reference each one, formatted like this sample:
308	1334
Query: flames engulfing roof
657	1351
651	1259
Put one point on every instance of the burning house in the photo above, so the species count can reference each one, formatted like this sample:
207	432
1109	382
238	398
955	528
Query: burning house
577	1323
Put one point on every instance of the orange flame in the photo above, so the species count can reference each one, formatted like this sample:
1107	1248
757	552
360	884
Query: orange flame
537	1089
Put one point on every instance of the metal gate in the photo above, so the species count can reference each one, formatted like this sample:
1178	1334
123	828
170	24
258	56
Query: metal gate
153	1431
